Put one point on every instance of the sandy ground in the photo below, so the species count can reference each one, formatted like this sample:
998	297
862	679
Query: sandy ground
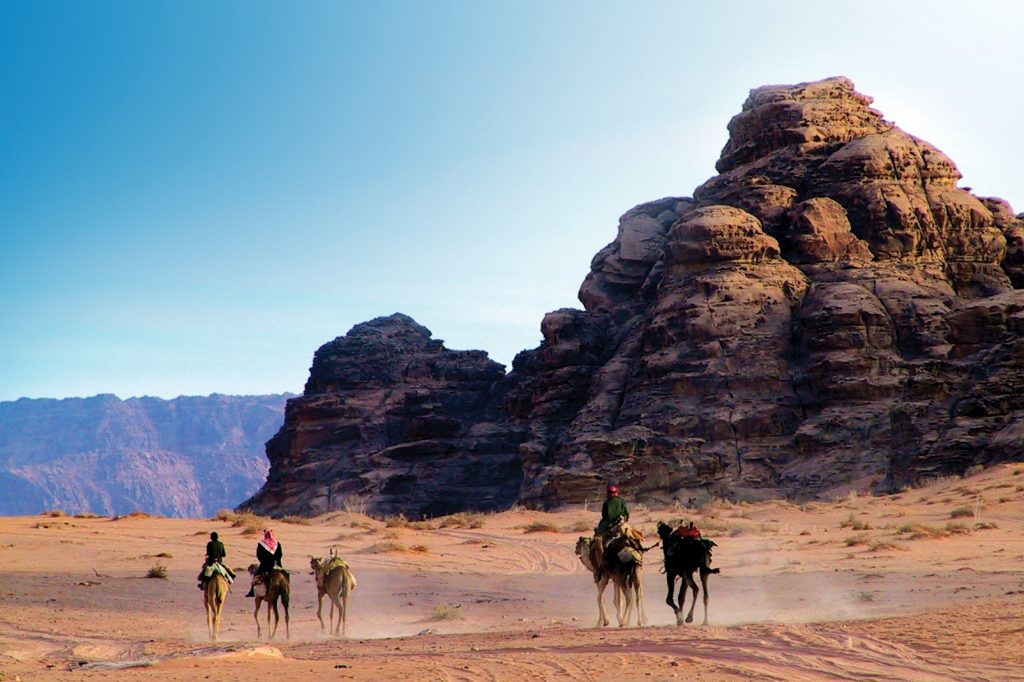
862	588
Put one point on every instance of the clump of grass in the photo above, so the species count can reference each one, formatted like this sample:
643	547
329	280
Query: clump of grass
540	527
55	513
864	596
768	528
88	515
420	549
882	545
249	522
383	547
446	612
961	512
157	571
918	531
986	525
853	523
462	520
356	504
397	521
163	555
296	520
580	527
139	514
954	528
854	540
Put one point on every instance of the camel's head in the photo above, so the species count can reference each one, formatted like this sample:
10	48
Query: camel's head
583	549
315	563
664	531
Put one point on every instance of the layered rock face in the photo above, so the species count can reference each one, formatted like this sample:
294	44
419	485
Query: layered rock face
393	418
184	457
831	310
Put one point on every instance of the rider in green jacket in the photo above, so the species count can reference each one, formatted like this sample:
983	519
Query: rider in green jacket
614	507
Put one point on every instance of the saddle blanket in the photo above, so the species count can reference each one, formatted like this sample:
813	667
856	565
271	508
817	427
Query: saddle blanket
212	569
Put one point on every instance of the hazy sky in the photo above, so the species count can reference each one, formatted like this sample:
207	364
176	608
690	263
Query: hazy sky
194	196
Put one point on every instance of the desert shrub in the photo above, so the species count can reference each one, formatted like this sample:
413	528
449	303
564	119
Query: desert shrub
446	612
88	515
157	571
864	596
383	547
987	525
55	513
163	555
918	531
421	549
540	527
961	512
853	523
580	527
356	504
462	520
853	540
768	528
954	528
882	545
397	521
224	515
296	520
139	514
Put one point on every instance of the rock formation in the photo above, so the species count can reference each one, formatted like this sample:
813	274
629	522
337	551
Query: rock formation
184	457
830	311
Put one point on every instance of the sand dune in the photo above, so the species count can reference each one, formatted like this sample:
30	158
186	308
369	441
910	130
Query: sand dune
924	585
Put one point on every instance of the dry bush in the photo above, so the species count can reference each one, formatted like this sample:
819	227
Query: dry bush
163	555
421	549
540	527
55	513
224	515
383	547
880	545
391	534
462	520
296	520
396	521
854	540
446	612
768	528
139	514
988	525
853	523
579	527
961	512
954	528
355	504
157	571
88	515
918	531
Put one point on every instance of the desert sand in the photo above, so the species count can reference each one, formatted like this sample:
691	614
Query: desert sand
923	585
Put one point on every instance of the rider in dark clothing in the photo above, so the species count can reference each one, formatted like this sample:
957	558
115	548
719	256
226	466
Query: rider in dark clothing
215	554
268	554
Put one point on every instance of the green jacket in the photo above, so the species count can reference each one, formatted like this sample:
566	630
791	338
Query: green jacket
215	551
612	509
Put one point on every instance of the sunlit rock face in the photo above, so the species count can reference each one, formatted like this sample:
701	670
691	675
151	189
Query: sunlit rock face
830	310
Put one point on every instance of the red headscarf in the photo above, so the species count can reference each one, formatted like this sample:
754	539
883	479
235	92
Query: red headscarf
269	540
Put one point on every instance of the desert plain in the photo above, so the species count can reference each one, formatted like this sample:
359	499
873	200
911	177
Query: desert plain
926	584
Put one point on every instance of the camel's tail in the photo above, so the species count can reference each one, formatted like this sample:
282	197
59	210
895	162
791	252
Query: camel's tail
714	570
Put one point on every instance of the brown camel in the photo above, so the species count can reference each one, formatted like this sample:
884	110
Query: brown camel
215	593
336	580
619	562
278	585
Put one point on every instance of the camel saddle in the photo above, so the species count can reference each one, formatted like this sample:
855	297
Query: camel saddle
211	569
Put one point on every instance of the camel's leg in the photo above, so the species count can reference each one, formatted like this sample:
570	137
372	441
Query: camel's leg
641	617
671	579
319	609
696	590
336	602
287	620
704	582
256	616
277	618
209	616
218	613
602	615
628	594
344	611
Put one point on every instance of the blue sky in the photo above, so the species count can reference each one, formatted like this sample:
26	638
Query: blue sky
194	196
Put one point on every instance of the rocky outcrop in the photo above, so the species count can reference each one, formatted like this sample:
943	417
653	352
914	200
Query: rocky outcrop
830	310
184	457
392	417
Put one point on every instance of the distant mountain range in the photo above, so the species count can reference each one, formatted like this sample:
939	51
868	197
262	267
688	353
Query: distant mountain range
189	456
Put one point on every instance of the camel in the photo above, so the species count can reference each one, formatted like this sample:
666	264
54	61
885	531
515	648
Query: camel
336	580
215	593
682	558
619	562
278	585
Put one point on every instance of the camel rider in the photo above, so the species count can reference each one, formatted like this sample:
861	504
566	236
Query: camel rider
689	531
268	554
215	553
613	509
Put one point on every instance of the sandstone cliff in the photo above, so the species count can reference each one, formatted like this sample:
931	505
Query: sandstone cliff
184	457
830	310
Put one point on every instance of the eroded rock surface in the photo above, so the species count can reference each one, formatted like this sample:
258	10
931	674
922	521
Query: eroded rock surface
831	310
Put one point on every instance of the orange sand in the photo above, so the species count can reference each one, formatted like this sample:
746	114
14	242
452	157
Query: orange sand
799	597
